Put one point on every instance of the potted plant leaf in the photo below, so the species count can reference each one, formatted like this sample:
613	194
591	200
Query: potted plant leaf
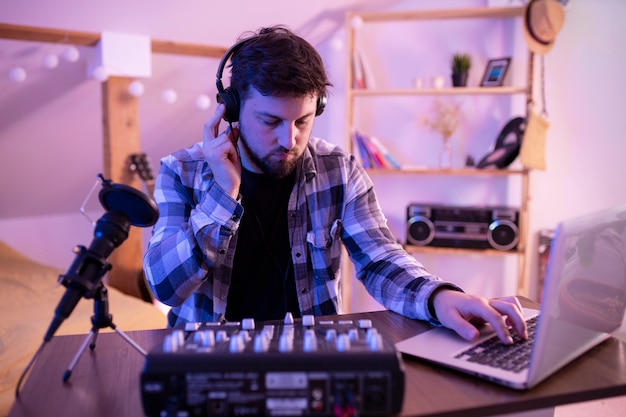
461	64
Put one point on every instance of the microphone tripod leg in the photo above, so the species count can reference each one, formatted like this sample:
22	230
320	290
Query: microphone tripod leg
91	337
130	341
100	320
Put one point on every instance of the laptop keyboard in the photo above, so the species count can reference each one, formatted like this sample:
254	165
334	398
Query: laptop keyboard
494	353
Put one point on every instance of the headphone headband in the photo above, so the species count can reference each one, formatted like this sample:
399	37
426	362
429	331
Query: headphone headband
222	65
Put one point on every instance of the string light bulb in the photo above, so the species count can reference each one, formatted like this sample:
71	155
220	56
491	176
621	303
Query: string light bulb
136	88
101	73
50	61
17	74
169	96
203	102
336	44
71	54
356	22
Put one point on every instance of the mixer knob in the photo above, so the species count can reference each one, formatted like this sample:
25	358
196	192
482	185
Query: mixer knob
289	332
331	335
236	343
376	342
353	334
364	323
310	341
343	343
285	342
245	335
247	324
288	318
221	336
261	343
370	334
170	345
204	338
308	320
179	335
192	326
268	331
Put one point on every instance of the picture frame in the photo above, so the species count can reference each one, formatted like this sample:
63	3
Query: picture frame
495	72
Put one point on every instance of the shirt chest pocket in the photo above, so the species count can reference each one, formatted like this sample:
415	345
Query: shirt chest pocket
325	250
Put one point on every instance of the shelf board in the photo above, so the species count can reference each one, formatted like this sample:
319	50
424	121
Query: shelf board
460	251
468	13
451	172
439	91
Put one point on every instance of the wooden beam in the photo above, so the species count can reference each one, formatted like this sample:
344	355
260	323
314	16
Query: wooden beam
71	37
37	34
120	123
190	49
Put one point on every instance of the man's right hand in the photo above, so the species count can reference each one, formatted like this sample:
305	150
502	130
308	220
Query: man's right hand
220	151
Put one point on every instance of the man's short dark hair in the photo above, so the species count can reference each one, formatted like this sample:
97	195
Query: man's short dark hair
277	62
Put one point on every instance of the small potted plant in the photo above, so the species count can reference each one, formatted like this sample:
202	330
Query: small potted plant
461	64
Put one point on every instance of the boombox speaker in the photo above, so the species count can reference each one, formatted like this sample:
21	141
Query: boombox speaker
462	227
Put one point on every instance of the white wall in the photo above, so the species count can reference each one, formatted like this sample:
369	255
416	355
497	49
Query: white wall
585	91
584	86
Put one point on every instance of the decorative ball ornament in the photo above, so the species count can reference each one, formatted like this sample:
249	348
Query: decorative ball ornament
50	61
169	96
336	44
100	73
136	88
356	22
17	74
203	102
71	54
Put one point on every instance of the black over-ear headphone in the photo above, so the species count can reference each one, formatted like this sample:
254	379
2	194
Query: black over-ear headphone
230	98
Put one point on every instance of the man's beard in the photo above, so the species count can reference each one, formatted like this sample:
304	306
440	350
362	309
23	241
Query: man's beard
273	168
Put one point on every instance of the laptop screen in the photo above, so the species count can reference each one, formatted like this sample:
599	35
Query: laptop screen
585	288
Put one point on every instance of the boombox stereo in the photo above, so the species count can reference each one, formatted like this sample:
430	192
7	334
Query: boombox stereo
462	227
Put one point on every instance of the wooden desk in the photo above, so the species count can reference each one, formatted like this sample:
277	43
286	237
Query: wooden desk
105	382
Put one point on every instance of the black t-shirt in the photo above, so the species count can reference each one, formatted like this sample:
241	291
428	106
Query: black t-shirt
263	285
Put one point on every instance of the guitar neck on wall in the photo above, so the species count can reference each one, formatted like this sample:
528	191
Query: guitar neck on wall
140	166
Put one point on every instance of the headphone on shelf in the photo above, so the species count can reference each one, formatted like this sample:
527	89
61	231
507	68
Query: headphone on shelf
230	98
507	147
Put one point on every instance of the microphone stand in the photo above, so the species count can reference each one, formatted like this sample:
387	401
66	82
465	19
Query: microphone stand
125	207
100	320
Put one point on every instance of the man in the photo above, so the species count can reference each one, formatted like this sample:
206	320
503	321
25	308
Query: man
252	218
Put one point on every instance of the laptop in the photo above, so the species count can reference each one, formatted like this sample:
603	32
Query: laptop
582	304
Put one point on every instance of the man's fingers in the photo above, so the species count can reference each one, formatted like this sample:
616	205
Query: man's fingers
460	311
514	315
462	327
211	127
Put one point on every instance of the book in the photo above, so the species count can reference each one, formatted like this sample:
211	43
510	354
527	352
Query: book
362	76
385	152
358	78
378	161
363	153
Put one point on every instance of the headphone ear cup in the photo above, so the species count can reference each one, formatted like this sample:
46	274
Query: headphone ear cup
230	99
321	104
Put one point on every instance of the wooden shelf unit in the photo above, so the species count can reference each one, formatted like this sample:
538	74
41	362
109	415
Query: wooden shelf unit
353	94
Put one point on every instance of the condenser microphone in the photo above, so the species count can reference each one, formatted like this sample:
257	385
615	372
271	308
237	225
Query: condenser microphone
125	206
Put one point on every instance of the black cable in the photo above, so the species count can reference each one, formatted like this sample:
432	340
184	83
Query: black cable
28	366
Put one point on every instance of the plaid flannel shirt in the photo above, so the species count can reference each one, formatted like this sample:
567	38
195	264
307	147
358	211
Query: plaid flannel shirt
189	258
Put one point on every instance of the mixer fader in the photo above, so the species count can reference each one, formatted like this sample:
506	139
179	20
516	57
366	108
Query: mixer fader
302	367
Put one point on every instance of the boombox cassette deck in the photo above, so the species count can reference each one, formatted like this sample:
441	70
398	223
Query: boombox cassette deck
462	227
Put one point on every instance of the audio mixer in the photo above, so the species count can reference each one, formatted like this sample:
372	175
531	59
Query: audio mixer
301	367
